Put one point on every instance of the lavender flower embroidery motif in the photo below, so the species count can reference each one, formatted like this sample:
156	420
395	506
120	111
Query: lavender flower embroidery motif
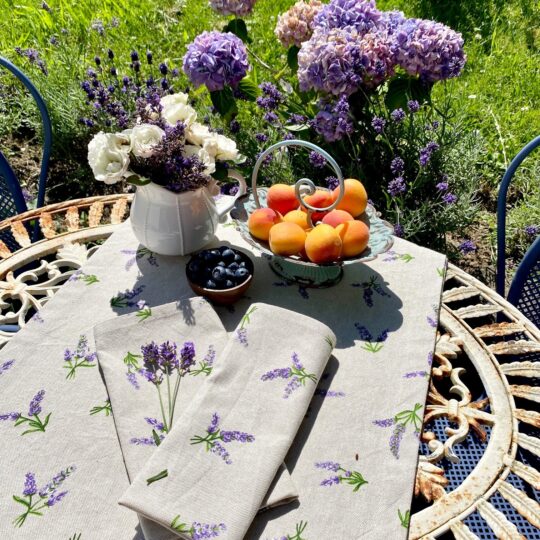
296	373
197	531
329	393
127	298
369	287
420	373
158	364
36	501
79	275
138	254
400	422
205	366
432	320
216	435
299	529
341	476
405	518
158	434
6	365
35	423
81	357
372	344
302	291
392	256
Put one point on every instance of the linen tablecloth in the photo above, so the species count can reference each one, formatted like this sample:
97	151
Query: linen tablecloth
353	461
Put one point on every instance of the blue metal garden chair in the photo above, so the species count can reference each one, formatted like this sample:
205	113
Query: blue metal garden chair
12	201
524	290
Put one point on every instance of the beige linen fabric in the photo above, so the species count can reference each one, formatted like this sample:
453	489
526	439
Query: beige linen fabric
224	452
357	388
135	401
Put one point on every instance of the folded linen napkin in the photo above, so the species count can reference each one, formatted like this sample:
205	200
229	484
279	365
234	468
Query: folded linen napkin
210	475
138	360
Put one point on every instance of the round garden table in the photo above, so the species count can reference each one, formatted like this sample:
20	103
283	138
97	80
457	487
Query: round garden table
477	473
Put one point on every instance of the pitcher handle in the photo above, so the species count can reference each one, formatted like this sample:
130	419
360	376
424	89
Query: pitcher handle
227	202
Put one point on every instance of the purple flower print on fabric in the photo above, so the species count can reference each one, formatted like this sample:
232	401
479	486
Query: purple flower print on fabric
206	365
216	435
343	476
372	344
81	357
302	291
369	287
158	434
422	372
47	497
296	374
197	530
6	366
32	419
139	254
128	298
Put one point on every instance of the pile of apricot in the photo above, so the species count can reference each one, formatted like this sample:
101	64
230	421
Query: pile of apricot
335	235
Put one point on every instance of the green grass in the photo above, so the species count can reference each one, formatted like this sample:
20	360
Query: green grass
498	94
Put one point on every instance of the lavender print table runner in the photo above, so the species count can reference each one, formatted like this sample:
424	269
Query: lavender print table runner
214	468
153	369
362	419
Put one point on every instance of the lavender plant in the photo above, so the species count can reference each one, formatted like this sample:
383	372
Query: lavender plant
296	373
372	344
343	476
215	436
162	366
36	501
197	530
35	423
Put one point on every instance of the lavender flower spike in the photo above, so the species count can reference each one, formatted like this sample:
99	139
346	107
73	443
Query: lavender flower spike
213	427
30	487
35	407
328	465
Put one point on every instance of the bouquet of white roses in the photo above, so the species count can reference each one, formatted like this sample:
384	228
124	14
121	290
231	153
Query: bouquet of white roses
170	149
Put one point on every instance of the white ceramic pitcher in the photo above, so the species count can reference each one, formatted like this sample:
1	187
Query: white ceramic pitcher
170	223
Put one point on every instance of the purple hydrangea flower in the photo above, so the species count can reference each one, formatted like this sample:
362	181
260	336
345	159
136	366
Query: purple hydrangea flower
413	105
362	15
468	246
216	60
35	407
240	8
429	49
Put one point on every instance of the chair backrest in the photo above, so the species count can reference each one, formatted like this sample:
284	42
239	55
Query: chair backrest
524	290
11	196
501	213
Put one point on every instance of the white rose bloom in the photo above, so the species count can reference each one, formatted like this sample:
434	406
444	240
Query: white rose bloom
226	148
175	108
198	133
144	138
203	155
108	156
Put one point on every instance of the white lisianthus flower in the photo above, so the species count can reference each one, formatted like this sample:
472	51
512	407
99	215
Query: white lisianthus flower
203	155
198	133
175	108
108	156
144	139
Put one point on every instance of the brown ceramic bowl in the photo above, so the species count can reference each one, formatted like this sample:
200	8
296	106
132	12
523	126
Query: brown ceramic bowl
220	296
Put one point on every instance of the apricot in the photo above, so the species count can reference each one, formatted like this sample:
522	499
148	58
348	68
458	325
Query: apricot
337	217
354	237
281	198
354	199
287	238
298	217
261	221
319	199
323	244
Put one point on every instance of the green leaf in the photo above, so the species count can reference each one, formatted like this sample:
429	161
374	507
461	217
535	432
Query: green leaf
132	360
156	438
222	171
159	476
297	127
46	421
249	89
292	57
118	302
224	102
21	501
238	28
137	180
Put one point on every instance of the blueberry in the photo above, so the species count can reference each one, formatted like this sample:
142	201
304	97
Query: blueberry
234	266
221	263
223	248
210	284
219	273
210	257
228	256
241	274
229	284
207	272
195	267
230	273
242	264
237	258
